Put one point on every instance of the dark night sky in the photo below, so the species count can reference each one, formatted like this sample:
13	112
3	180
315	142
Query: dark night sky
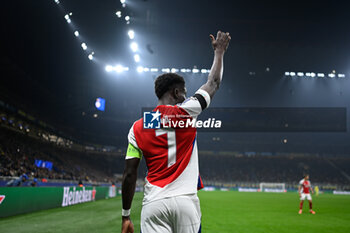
49	75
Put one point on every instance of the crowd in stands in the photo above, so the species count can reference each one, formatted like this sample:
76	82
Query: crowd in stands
18	152
283	169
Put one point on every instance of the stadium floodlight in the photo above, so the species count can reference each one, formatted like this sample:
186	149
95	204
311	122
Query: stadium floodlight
140	69
119	68
154	69
137	58
188	70
195	71
286	73
134	46
90	57
308	74
84	46
131	34
331	75
166	70
321	75
66	17
70	13
341	75
300	74
204	71
122	1
183	70
76	33
118	14
109	68
127	18
292	74
57	1
312	74
174	70
145	69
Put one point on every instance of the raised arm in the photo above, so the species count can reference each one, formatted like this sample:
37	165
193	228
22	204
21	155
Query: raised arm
220	44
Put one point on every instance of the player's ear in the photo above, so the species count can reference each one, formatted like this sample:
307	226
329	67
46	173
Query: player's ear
176	93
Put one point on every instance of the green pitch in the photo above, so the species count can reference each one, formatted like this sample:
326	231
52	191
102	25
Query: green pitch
222	212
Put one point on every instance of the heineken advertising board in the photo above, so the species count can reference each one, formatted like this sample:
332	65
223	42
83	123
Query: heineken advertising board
19	200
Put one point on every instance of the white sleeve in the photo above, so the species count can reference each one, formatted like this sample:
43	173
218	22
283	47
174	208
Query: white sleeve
195	104
301	182
131	137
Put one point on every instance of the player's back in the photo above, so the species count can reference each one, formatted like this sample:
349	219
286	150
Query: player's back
170	152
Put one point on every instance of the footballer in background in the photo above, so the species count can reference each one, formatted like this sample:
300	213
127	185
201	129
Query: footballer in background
304	192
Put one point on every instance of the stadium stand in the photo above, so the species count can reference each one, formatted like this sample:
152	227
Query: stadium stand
20	147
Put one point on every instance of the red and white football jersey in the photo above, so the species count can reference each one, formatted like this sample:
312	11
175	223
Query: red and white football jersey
171	154
305	186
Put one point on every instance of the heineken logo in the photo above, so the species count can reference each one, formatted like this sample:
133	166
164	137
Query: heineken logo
72	195
2	198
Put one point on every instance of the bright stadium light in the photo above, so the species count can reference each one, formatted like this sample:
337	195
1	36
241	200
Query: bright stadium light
292	74
118	14
57	1
320	75
331	75
91	57
122	1
204	71
145	69
183	70
300	74
119	68
66	17
195	71
83	45
70	13
140	69
108	68
134	46
76	33
131	34
137	58
174	70
286	73
312	74
127	18
166	70
308	74
154	69
341	75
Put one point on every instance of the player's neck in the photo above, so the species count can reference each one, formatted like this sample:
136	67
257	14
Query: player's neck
167	101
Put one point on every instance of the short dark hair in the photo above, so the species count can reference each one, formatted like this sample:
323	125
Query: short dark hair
166	82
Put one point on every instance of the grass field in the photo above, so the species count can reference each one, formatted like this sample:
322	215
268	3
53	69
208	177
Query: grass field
222	212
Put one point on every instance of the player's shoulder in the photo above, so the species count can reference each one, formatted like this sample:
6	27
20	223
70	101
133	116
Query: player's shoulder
301	181
136	124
